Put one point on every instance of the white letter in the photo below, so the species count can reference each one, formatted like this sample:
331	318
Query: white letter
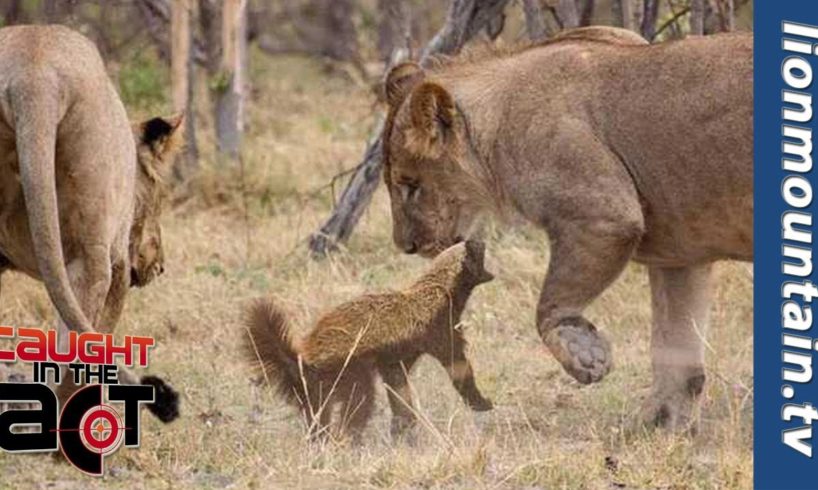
802	115
794	317
805	289
794	438
803	198
800	30
790	69
804	361
797	46
788	222
801	254
802	149
797	341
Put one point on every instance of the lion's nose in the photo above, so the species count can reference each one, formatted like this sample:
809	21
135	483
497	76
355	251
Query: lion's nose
161	269
410	248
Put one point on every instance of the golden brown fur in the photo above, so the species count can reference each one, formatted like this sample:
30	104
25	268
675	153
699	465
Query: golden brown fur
619	149
79	209
333	367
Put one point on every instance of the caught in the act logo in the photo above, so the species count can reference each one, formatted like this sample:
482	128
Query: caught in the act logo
97	419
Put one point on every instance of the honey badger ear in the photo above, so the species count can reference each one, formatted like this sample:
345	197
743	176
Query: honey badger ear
163	135
432	113
401	80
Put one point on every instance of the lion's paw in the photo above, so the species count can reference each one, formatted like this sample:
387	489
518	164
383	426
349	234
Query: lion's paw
672	411
583	352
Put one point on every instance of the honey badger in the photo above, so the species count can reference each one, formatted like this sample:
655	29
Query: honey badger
333	366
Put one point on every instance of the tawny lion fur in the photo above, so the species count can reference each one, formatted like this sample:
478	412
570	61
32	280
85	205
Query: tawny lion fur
619	149
79	198
332	369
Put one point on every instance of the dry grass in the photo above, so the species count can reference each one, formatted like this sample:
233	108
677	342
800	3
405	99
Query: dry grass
546	430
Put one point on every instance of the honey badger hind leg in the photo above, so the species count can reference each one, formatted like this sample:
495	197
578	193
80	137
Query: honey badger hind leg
357	407
394	376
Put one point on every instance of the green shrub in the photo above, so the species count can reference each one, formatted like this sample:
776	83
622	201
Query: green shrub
143	80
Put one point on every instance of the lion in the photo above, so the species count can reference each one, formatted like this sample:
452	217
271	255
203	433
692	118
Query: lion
80	201
334	365
619	149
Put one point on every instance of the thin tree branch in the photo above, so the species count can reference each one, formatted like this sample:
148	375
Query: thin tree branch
670	22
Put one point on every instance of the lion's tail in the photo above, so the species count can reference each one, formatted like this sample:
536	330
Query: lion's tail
268	343
36	108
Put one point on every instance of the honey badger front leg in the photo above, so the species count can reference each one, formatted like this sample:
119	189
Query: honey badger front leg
587	255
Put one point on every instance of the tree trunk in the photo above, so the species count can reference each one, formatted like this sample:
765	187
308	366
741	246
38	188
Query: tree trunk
340	35
182	77
535	19
727	15
649	16
394	27
230	83
51	11
567	13
464	20
629	13
617	15
157	17
13	12
210	23
697	17
587	12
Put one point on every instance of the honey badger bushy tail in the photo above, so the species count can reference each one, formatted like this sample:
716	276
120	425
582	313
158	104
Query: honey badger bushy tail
269	345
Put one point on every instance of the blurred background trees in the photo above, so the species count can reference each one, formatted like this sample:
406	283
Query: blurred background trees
184	54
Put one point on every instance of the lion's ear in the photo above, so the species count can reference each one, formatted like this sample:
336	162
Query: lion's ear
163	135
400	81
432	113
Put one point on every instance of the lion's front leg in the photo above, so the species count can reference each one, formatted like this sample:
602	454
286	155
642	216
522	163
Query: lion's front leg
586	257
681	310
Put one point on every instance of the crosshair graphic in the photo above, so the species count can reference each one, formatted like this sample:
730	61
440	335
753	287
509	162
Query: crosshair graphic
101	429
89	430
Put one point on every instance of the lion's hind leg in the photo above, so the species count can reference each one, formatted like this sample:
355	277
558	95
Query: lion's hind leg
90	278
115	298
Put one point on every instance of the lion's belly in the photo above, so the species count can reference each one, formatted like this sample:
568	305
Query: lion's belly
720	229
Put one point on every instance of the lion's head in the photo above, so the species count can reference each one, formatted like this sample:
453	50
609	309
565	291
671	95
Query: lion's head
427	154
156	143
